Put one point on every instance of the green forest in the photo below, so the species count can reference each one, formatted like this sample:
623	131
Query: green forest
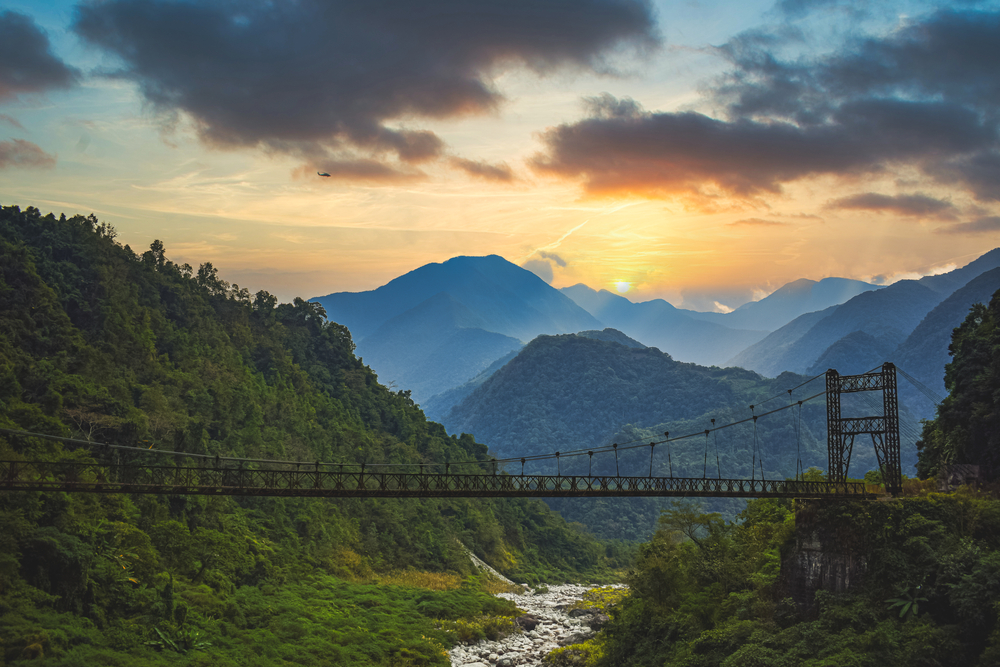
706	592
100	343
711	593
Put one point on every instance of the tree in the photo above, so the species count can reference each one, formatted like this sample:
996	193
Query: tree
967	426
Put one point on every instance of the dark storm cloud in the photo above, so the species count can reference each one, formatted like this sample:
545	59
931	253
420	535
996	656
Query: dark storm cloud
983	225
491	172
21	154
291	76
980	172
917	205
27	64
950	56
668	153
926	96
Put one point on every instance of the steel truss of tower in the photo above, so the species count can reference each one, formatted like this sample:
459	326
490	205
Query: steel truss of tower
884	428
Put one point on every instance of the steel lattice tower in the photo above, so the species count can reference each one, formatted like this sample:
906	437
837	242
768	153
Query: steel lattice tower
884	429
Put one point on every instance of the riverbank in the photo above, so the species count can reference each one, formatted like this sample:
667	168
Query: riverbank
548	624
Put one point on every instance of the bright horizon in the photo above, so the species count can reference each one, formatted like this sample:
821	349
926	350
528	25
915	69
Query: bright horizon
706	153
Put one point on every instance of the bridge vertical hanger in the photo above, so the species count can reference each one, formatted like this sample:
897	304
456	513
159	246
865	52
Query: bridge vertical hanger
704	471
670	465
883	429
718	463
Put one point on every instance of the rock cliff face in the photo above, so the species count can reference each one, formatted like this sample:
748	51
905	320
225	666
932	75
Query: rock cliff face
825	557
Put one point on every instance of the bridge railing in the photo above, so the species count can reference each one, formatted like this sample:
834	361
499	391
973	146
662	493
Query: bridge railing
306	480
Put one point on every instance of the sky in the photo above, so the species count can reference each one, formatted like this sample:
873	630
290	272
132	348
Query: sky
704	152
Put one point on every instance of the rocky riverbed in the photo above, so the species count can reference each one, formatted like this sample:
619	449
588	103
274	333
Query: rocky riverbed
546	625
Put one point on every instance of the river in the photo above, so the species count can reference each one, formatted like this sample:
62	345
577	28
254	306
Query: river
555	628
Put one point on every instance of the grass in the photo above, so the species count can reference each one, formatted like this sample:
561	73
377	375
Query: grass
320	620
432	581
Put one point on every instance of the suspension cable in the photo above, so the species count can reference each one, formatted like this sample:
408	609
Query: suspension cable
537	457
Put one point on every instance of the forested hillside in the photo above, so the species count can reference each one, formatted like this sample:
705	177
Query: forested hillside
572	392
918	576
966	428
98	342
712	593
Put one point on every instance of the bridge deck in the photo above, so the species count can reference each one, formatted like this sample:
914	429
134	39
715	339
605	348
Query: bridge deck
234	481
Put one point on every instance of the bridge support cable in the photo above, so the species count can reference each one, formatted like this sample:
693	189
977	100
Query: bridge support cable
718	463
883	429
670	465
928	393
799	468
704	471
292	481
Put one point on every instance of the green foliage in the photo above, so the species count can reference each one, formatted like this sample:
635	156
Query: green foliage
908	602
180	640
601	598
967	426
709	593
100	343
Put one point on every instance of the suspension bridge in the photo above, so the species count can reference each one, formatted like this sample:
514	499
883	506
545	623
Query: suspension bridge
120	469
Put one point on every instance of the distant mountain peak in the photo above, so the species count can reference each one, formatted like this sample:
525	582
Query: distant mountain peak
442	323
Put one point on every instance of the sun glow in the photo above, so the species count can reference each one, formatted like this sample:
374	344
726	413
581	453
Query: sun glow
623	286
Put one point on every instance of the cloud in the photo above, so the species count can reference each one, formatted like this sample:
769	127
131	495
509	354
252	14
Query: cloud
23	154
659	154
541	264
27	64
540	268
756	222
334	80
984	225
924	96
491	172
980	172
10	120
552	256
917	205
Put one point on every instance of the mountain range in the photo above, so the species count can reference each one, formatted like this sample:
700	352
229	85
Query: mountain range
909	322
487	348
441	330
